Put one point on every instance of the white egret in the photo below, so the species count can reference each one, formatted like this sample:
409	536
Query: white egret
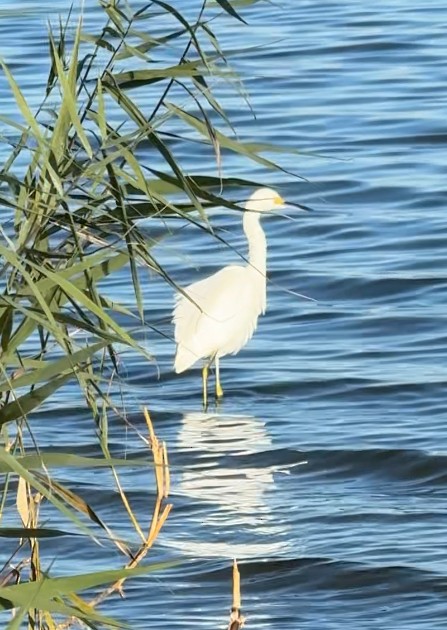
219	314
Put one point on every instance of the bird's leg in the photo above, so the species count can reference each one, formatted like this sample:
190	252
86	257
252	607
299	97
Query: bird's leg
219	390
205	385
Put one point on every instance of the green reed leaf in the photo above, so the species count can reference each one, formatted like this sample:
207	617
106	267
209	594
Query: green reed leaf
50	369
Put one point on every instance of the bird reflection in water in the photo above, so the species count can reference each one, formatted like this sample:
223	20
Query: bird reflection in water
230	489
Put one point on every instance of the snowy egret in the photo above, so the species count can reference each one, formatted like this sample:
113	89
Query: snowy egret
219	314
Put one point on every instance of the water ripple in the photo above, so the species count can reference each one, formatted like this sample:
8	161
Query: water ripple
324	468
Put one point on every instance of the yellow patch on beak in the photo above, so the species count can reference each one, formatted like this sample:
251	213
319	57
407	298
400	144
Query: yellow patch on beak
278	201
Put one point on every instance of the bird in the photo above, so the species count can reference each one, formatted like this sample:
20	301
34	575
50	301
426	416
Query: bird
218	315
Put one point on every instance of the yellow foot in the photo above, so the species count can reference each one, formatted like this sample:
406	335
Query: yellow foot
219	391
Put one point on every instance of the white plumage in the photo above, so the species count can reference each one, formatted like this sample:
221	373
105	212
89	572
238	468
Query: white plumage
226	317
221	312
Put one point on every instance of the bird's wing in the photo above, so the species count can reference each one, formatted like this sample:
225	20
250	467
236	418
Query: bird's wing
202	318
212	297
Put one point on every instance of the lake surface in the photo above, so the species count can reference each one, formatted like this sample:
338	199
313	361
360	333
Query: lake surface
324	470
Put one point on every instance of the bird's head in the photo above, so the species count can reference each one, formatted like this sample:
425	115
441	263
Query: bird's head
264	200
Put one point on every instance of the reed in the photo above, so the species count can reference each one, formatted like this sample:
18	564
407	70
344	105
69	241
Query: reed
77	177
237	620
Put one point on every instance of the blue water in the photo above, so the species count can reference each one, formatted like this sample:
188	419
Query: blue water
324	469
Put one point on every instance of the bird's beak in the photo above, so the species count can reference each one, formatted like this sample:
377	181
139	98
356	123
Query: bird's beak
300	206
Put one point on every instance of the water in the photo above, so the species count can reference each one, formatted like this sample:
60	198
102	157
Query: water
324	470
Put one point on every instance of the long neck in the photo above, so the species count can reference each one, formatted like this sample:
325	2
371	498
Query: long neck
257	244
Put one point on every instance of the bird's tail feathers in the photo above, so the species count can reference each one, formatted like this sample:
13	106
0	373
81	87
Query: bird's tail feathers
184	359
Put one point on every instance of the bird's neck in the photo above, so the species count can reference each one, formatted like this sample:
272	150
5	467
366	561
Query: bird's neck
257	244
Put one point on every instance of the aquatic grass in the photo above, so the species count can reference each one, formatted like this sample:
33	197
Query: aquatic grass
73	190
59	595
